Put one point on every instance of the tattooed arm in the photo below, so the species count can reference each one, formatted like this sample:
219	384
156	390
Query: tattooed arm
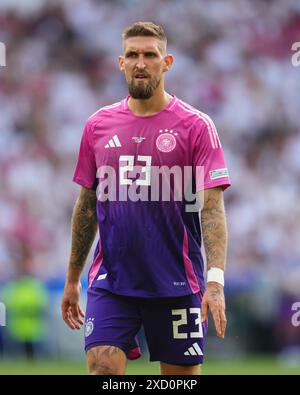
84	228
214	230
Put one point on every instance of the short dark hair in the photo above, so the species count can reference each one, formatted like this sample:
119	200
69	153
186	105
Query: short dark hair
145	29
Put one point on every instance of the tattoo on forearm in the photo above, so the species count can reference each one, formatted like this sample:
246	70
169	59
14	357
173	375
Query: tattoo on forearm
84	227
213	221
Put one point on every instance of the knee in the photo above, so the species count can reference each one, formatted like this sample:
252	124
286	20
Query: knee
102	368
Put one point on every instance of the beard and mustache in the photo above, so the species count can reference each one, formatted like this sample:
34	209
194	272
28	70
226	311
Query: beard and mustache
142	89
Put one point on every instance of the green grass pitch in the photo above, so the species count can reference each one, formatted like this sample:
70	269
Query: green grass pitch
264	366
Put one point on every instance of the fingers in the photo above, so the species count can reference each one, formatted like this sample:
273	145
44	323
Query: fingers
219	320
75	310
71	315
81	312
72	319
217	310
73	324
69	320
223	323
204	309
65	315
214	300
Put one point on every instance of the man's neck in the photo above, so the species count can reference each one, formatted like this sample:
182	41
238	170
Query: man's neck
157	103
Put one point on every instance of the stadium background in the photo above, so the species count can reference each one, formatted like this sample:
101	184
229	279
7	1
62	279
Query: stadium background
233	61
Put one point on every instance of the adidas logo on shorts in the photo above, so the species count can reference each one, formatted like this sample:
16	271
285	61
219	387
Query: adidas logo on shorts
114	142
194	350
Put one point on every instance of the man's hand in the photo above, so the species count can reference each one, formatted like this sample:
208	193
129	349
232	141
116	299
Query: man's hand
71	311
214	300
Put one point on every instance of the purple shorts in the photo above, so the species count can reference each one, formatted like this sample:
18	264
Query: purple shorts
172	326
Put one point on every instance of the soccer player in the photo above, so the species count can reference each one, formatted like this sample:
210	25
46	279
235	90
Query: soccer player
147	267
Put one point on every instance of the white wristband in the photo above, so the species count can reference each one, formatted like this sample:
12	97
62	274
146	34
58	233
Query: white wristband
215	274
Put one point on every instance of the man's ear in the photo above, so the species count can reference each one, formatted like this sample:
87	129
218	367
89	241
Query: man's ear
168	60
121	63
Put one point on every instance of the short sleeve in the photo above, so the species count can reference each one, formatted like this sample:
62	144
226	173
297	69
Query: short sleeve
209	164
86	170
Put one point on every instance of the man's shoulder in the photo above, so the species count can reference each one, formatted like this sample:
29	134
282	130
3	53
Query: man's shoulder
104	112
191	114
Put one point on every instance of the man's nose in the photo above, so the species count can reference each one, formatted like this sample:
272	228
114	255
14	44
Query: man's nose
141	62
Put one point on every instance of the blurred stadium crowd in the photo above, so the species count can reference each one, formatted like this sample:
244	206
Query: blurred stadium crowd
232	61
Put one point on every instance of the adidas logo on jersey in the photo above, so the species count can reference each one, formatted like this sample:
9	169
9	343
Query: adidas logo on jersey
194	350
114	142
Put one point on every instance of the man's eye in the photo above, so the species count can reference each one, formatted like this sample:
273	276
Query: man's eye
150	54
131	55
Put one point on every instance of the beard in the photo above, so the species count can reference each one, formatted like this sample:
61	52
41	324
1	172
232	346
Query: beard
141	89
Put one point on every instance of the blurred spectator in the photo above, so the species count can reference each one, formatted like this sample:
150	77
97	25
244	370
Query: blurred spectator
26	300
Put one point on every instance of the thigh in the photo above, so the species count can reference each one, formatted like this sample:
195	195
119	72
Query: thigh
111	320
174	331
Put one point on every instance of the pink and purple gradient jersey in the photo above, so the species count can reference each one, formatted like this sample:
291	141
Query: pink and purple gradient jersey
149	247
